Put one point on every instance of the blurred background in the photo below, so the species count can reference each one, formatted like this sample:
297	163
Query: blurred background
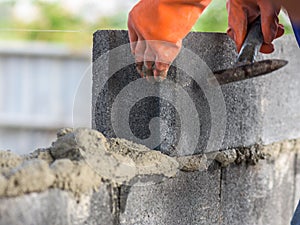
45	51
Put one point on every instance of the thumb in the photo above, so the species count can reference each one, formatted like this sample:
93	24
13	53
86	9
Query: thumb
237	24
269	20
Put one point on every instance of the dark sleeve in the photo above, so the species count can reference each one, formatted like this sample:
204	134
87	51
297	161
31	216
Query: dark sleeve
296	27
296	217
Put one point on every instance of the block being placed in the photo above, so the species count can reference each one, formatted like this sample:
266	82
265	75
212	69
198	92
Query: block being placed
184	115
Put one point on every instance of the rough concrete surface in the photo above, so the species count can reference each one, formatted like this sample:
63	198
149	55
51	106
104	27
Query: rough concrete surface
263	194
82	160
240	193
142	113
54	186
189	198
249	105
75	181
87	177
57	207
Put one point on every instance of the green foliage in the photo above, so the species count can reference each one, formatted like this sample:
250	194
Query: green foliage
57	24
52	17
214	18
118	21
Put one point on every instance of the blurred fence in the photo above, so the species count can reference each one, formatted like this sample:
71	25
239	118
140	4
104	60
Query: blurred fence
38	84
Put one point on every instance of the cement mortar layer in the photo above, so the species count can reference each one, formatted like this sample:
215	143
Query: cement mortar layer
81	160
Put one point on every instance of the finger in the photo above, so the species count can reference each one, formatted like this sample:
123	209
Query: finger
230	33
149	65
280	31
267	48
165	54
149	58
140	50
148	71
133	37
139	68
139	56
160	71
269	20
237	23
149	54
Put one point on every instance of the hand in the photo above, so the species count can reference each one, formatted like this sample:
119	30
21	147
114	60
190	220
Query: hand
156	29
241	13
292	7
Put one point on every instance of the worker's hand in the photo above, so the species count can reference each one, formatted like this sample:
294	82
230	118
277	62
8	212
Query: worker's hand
292	7
156	29
241	13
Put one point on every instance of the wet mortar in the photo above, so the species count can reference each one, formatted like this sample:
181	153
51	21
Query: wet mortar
81	160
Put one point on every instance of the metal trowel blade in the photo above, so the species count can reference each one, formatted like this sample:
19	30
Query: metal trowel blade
247	71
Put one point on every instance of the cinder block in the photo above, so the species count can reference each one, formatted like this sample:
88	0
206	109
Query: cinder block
261	110
261	194
189	198
280	92
264	193
238	194
57	207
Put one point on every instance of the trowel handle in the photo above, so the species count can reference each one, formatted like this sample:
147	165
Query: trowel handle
252	43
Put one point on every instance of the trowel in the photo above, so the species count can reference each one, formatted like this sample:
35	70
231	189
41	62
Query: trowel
246	67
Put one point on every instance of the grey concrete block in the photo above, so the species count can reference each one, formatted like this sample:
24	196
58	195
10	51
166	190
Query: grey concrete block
237	194
259	195
57	207
260	110
265	193
101	207
189	198
280	94
159	100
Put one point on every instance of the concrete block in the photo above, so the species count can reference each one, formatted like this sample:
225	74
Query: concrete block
189	198
114	71
258	186
280	93
261	110
237	194
101	207
57	207
260	195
